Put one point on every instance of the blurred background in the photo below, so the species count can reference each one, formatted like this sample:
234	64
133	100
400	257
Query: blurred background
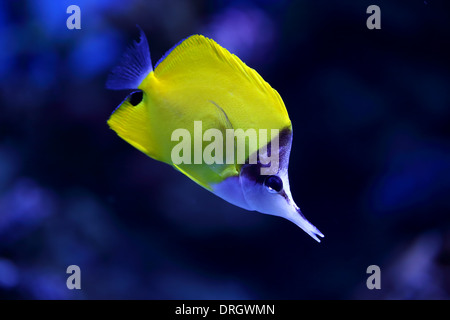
370	163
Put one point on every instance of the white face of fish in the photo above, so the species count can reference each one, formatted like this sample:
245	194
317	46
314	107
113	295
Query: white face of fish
272	195
269	194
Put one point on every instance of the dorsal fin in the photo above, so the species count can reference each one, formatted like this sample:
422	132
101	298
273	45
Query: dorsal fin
198	49
135	65
168	52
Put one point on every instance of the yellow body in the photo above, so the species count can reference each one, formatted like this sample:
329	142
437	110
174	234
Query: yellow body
188	85
201	81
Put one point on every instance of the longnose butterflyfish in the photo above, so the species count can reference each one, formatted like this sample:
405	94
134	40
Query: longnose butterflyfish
210	116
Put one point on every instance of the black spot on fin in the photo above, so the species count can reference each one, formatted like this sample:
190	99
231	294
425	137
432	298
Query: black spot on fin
135	65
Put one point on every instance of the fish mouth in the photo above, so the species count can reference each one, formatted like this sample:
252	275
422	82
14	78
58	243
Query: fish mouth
299	219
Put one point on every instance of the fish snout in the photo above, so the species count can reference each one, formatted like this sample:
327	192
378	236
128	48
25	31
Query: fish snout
296	216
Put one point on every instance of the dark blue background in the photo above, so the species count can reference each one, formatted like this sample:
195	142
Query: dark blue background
370	164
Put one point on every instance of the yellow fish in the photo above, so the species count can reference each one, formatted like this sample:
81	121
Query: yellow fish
201	90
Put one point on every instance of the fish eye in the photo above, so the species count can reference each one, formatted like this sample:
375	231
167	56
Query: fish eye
274	184
135	98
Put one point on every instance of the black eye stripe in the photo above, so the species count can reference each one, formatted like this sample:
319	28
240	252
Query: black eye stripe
135	98
252	172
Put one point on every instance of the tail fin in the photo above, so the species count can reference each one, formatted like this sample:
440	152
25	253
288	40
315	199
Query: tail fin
135	65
